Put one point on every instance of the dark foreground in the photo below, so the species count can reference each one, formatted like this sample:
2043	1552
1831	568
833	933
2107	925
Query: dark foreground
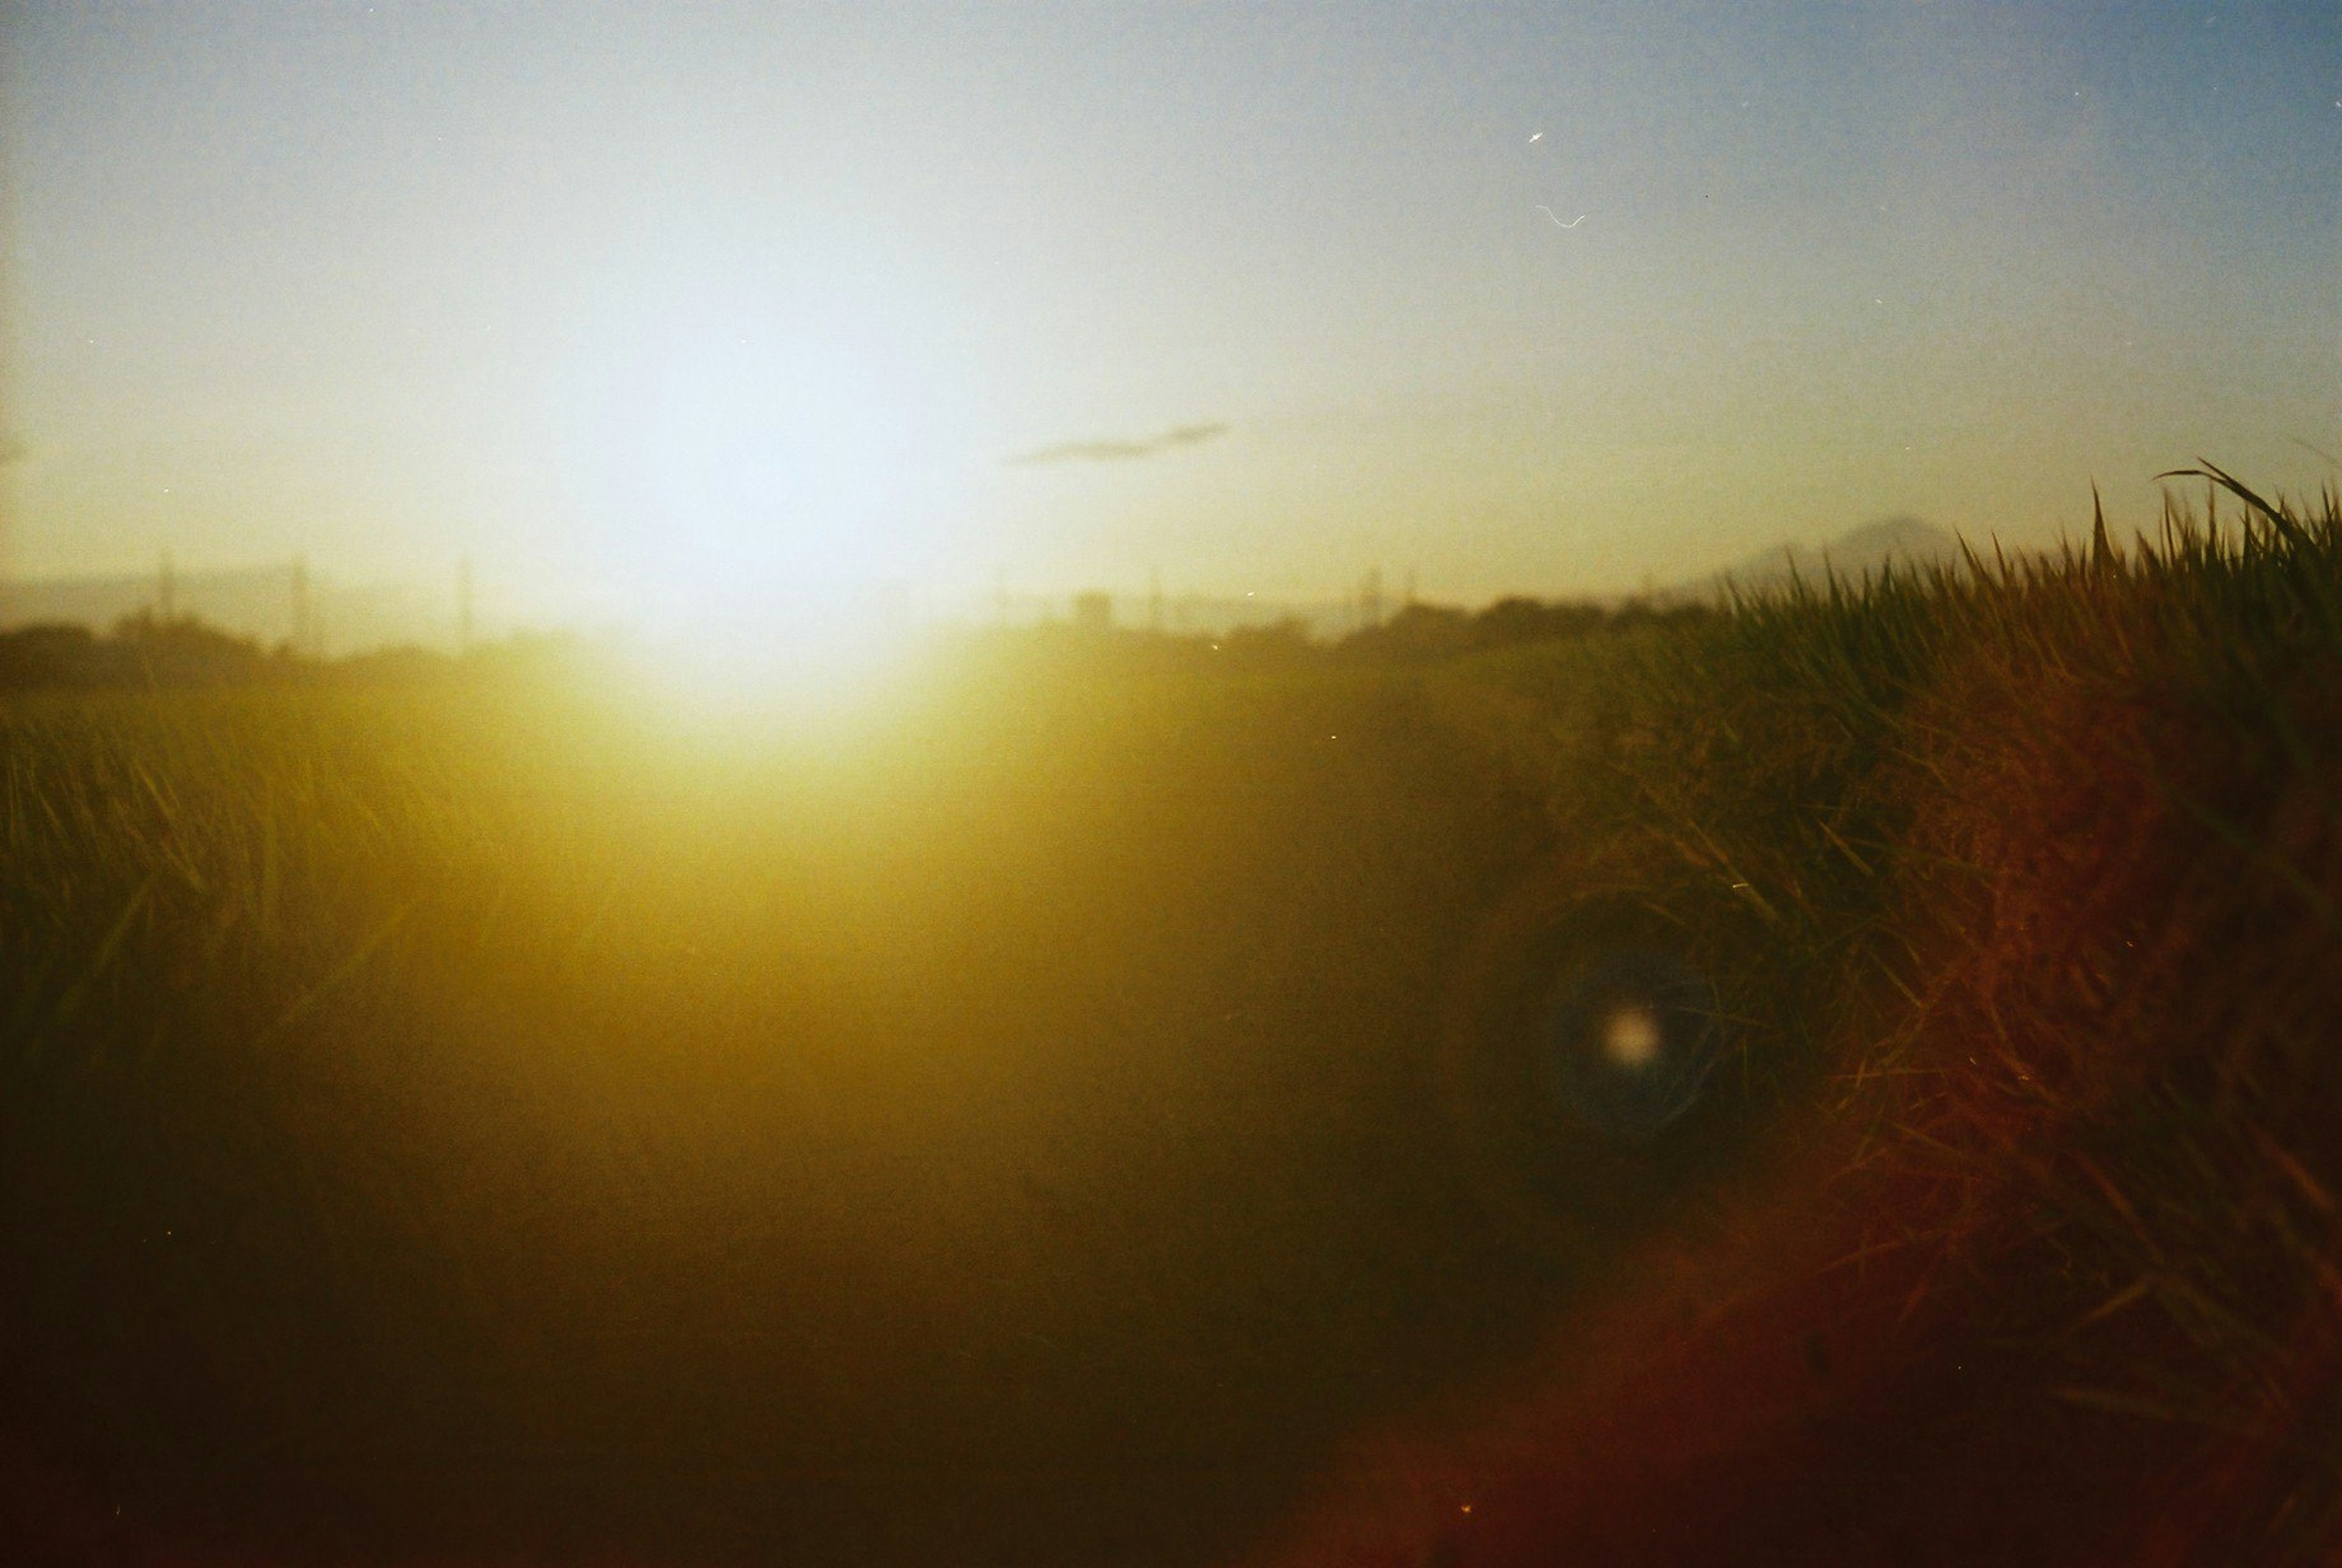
1112	1117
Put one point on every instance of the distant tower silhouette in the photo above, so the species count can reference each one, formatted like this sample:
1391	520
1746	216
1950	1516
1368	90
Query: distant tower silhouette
1154	600
301	618
167	591
464	605
1370	599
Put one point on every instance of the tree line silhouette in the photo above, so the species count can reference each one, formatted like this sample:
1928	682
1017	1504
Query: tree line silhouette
1417	632
182	651
147	649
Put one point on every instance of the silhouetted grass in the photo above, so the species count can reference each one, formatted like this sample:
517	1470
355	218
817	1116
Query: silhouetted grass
2021	879
483	1121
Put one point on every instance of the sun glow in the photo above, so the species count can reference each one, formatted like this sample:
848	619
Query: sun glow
823	660
771	482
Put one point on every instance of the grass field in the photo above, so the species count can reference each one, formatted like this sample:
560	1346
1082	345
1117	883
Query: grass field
1097	1117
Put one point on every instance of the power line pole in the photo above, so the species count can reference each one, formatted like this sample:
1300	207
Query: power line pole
301	613
464	605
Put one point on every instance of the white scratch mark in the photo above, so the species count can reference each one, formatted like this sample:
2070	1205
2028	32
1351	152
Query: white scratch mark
1557	217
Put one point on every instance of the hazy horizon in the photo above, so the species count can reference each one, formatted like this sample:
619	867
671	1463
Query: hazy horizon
645	313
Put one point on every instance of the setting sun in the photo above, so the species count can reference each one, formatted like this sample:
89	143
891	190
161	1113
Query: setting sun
1201	786
761	471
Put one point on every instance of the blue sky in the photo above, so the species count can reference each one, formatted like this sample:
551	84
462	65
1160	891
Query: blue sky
641	304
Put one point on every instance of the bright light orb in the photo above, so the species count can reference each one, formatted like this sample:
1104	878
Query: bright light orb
1632	1039
793	658
770	483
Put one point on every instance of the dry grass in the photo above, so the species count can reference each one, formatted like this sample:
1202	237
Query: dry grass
476	1125
2021	882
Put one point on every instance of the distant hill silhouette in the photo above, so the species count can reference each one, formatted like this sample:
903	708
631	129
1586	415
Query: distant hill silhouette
255	603
1858	553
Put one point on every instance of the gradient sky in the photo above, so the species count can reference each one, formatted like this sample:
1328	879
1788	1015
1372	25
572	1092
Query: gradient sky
634	304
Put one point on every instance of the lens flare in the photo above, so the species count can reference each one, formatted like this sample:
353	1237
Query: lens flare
1630	1040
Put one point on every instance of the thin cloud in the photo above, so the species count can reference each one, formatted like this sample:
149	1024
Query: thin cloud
1124	451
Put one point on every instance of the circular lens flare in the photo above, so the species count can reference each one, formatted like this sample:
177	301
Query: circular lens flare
1631	1038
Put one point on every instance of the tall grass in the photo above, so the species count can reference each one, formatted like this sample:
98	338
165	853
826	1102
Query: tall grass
476	1121
2019	879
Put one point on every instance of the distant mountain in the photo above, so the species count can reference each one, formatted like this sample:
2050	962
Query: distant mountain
1859	552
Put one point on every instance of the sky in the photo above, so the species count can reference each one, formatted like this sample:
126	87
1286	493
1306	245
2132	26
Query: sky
656	311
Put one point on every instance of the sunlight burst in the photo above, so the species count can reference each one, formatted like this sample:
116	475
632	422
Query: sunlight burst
772	480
